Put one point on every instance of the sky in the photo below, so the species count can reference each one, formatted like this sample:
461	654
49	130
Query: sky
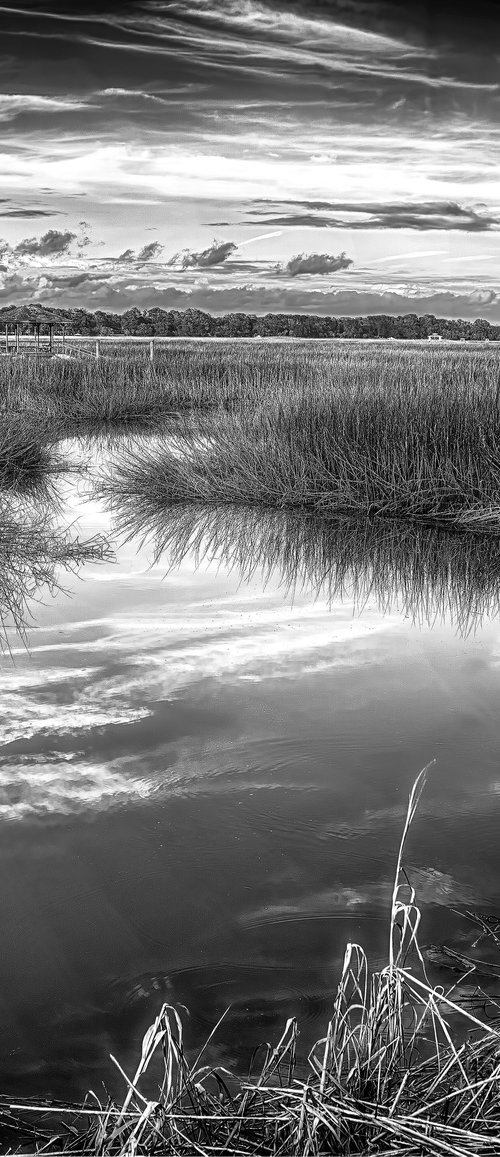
324	156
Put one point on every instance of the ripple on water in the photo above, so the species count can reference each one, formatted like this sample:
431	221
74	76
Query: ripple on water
259	993
431	886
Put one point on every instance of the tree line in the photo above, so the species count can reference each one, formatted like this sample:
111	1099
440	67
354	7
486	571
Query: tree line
196	323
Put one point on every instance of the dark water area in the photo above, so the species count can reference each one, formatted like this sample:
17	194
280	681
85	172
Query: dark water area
205	761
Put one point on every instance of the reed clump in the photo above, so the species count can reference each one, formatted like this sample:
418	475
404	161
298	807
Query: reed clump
393	1074
422	449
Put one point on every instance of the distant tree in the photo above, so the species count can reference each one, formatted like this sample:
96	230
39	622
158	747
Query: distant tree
136	324
162	322
108	323
235	325
195	323
480	330
428	324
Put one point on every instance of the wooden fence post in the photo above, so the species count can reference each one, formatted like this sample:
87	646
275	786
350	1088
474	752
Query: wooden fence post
6	339
151	351
97	350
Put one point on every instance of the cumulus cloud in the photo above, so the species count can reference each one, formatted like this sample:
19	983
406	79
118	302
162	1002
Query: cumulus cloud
126	256
483	297
147	253
53	244
216	254
315	263
14	287
150	251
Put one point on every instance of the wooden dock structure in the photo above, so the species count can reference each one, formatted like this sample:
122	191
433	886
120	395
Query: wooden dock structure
36	318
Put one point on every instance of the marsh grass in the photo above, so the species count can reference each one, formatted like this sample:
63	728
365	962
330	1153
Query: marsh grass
391	1075
413	447
426	573
122	387
34	554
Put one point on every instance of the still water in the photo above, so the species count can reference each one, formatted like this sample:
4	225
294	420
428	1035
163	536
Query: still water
204	771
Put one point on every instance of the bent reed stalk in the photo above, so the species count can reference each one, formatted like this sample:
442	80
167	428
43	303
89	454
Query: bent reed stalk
386	1078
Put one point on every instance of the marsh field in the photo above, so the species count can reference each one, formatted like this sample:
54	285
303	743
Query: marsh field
246	594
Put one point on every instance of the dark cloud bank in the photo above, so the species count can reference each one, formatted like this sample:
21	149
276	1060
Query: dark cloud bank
98	291
423	217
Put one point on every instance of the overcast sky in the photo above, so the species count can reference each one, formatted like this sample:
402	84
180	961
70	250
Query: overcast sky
311	155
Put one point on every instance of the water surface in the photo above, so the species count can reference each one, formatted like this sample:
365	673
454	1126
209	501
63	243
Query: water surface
204	773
